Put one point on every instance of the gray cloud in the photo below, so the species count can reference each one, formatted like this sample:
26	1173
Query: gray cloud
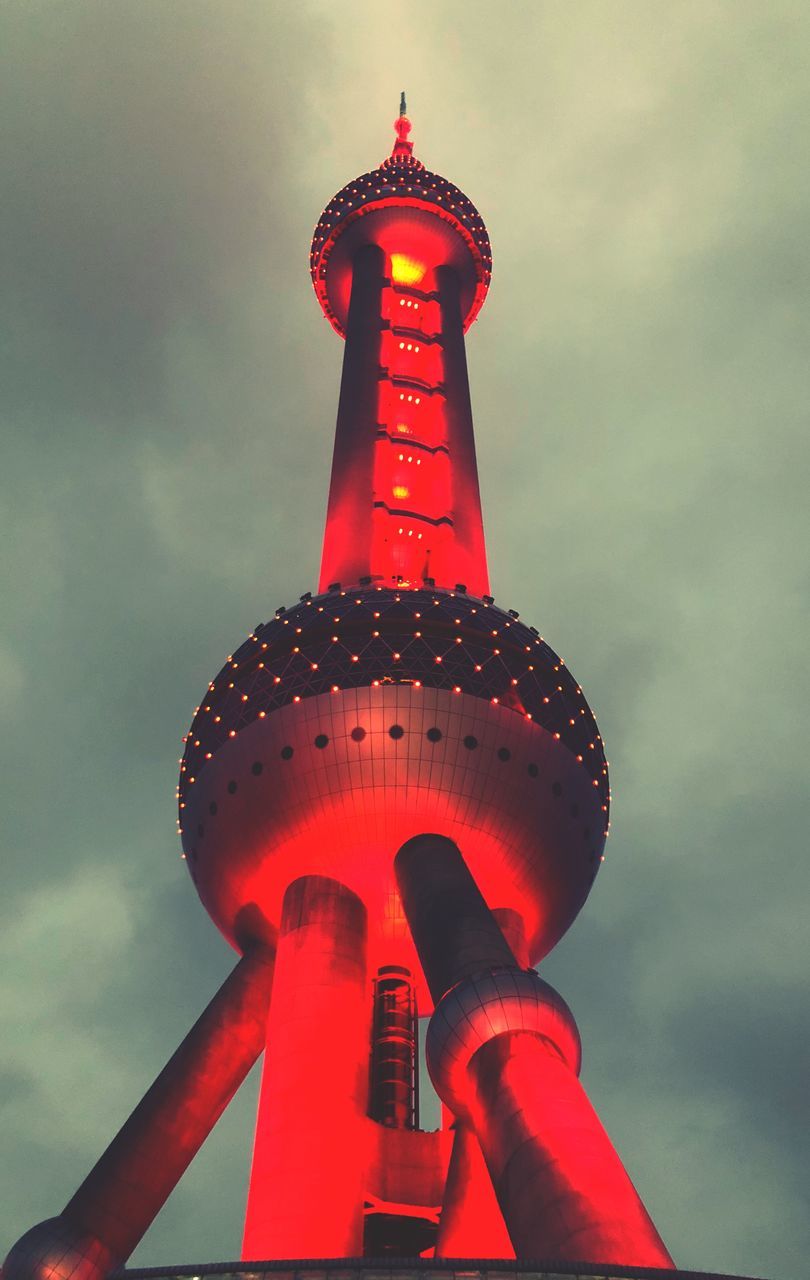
640	388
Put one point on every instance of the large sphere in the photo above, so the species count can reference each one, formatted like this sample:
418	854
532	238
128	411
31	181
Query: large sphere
358	719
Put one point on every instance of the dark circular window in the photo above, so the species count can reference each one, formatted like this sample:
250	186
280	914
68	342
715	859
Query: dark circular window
434	735
533	770
321	741
232	787
396	731
286	753
256	767
358	734
470	742
556	788
212	808
504	753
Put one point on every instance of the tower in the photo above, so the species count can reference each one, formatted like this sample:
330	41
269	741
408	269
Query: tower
393	801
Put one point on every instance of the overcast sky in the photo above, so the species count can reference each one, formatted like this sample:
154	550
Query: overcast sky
640	387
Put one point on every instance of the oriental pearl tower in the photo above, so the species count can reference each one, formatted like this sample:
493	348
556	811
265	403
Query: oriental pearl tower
393	803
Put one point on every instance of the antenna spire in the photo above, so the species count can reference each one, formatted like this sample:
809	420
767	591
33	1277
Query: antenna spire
403	149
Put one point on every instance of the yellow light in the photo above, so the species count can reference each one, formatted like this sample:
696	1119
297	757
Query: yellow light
400	491
405	270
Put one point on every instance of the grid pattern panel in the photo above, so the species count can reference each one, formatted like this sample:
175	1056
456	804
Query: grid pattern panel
380	637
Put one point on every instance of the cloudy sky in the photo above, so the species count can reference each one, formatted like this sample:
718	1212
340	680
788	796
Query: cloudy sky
639	379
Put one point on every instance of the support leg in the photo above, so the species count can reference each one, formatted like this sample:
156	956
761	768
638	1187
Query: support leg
471	1224
116	1203
306	1185
503	1053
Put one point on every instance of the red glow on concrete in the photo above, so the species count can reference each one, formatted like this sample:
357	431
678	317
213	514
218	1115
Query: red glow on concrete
551	1162
471	1223
305	1197
403	515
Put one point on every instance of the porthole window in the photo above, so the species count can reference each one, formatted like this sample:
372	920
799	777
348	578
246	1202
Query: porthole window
470	742
358	734
396	731
434	735
286	753
212	808
256	767
504	754
533	770
321	741
232	787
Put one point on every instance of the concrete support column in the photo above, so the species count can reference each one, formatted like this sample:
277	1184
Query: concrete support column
305	1197
454	931
468	525
114	1206
347	537
503	1053
471	1224
568	1194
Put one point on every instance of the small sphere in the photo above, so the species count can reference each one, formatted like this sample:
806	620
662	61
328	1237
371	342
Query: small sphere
401	206
56	1250
487	1005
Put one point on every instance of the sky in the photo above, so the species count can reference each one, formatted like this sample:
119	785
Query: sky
640	389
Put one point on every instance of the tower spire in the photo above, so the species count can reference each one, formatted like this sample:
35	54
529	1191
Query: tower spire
403	149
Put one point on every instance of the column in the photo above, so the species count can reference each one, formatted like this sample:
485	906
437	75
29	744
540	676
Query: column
468	526
471	1224
503	1053
305	1197
347	537
114	1206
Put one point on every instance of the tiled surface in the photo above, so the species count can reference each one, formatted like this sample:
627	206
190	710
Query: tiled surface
330	786
404	181
351	639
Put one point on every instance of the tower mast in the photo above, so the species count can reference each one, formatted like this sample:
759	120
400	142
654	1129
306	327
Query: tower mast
404	503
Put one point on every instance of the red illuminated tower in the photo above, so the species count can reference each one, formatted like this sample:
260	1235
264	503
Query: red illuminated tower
393	799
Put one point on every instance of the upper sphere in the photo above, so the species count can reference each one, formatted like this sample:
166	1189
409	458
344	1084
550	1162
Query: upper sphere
398	206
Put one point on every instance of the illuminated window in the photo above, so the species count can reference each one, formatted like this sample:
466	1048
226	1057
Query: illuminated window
405	270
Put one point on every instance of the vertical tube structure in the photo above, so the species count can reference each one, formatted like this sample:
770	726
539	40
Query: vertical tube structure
404	504
392	1096
120	1197
468	522
347	538
503	1052
471	1224
305	1197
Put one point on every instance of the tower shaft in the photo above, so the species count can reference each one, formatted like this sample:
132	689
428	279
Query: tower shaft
404	502
503	1052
